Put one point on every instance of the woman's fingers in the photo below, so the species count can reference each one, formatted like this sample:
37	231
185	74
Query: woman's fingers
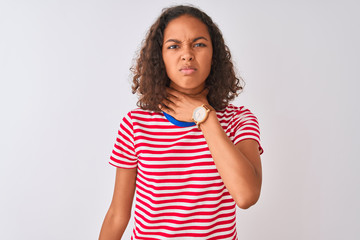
173	95
167	106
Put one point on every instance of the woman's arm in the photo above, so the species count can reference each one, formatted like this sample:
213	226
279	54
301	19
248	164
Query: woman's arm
238	165
119	212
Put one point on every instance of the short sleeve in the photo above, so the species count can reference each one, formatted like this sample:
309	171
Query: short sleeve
123	154
246	127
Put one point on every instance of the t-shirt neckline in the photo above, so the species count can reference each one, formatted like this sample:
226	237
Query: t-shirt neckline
177	122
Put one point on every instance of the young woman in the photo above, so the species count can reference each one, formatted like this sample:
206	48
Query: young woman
189	154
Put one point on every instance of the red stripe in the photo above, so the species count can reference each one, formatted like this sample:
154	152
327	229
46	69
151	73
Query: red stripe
138	138
199	208
182	158
179	180
182	200
153	125
199	219
171	188
127	165
180	223
165	163
182	193
173	213
188	234
185	172
120	152
176	144
157	133
204	149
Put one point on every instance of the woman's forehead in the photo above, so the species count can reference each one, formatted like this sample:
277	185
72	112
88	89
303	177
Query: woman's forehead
186	27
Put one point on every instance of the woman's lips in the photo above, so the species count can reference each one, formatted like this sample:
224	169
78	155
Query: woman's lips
187	71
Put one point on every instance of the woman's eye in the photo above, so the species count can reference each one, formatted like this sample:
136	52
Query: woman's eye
173	47
199	45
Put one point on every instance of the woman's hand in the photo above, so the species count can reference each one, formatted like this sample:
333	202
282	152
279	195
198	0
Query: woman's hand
181	106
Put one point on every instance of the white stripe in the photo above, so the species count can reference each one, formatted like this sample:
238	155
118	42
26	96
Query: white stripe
189	197
124	154
122	165
179	184
180	192
180	211
176	170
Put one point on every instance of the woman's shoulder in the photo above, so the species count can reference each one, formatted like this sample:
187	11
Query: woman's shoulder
232	111
139	113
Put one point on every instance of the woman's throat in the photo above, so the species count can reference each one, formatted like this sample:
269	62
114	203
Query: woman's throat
188	91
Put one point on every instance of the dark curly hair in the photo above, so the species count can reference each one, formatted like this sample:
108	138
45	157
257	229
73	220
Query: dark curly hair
149	74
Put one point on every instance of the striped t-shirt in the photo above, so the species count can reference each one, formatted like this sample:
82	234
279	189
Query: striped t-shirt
179	192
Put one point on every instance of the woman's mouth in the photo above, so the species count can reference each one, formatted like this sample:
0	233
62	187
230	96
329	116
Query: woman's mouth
187	70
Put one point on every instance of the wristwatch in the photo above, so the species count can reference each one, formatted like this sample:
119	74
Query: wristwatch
200	114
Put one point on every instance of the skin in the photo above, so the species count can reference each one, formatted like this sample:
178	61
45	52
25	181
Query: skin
119	212
187	54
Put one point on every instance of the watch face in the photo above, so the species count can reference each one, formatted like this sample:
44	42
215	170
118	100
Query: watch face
199	114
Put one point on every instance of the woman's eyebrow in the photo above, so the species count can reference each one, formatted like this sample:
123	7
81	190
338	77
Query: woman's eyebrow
194	40
198	38
173	40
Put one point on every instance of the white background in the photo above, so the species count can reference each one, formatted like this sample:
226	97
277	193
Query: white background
65	85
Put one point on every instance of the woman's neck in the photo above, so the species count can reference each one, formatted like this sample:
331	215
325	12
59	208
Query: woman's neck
190	91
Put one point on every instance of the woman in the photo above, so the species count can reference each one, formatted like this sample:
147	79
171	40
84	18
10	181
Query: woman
190	156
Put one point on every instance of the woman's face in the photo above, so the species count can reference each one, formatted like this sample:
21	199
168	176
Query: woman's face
187	54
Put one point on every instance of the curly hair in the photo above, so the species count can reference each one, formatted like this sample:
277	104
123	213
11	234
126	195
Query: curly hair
149	74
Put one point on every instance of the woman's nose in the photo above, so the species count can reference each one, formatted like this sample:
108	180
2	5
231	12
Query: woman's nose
187	55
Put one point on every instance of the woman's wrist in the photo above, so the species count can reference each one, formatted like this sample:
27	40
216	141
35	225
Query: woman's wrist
210	122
